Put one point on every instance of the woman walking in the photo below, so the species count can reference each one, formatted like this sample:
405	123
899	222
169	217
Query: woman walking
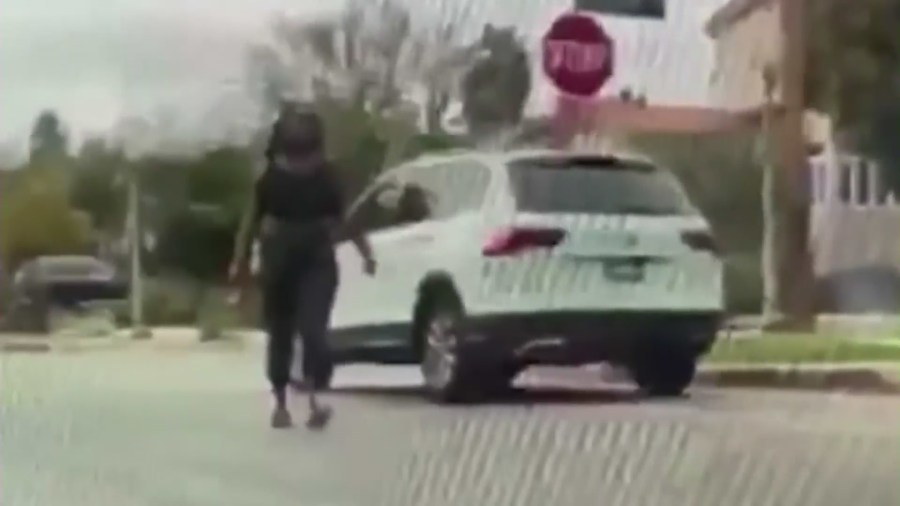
296	211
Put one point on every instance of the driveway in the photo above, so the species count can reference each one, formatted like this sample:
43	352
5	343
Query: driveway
176	428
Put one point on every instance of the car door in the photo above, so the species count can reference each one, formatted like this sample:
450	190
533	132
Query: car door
402	247
358	301
437	236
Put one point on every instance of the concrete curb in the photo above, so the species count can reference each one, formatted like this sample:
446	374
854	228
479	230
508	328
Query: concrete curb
23	346
64	344
881	378
861	378
163	340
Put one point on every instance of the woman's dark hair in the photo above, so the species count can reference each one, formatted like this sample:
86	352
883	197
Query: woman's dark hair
297	131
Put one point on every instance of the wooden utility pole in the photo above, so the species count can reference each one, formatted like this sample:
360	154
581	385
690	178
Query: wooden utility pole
791	257
135	236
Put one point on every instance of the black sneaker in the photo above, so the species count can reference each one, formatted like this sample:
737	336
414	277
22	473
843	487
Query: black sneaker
281	419
319	417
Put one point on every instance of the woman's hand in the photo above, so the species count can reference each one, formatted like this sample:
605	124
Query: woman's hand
365	251
238	277
369	265
235	271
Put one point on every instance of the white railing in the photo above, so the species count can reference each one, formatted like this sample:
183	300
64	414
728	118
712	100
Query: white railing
847	180
855	219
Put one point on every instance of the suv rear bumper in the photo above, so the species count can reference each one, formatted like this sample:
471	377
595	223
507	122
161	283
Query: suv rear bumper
573	338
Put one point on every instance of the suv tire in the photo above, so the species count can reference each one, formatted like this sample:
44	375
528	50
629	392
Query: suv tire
662	370
498	381
446	361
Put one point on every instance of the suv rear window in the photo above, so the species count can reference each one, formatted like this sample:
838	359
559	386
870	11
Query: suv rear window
599	185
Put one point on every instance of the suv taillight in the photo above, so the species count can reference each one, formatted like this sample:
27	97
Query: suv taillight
700	240
515	240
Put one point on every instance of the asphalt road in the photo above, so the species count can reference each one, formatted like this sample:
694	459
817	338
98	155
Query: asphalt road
190	428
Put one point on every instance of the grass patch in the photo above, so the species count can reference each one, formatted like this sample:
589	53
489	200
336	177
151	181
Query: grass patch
774	348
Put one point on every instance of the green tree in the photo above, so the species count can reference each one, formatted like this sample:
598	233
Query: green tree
49	141
360	55
196	234
359	70
876	136
97	186
197	244
722	173
221	178
195	237
36	219
853	56
373	55
848	58
853	74
496	87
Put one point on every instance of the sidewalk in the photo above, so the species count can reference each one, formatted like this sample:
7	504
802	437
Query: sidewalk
859	377
163	339
872	377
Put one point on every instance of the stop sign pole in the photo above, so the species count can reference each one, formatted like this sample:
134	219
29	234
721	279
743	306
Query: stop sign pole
578	58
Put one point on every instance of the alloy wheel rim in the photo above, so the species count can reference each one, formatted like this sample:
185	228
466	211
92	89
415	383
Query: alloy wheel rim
440	353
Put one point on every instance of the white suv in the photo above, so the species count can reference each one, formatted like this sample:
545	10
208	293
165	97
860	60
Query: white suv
490	263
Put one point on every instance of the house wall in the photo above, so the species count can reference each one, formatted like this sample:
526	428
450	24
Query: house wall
741	52
855	218
855	221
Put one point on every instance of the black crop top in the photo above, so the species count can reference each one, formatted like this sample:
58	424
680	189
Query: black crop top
299	198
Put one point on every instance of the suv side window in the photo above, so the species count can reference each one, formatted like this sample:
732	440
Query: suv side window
467	184
455	186
390	202
415	203
369	213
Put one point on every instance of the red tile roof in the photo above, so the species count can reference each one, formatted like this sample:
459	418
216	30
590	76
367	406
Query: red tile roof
631	117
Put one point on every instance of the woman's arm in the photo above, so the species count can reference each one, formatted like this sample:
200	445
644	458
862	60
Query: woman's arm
344	221
247	234
361	242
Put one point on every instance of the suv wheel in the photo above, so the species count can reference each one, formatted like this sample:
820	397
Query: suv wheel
663	371
498	381
445	360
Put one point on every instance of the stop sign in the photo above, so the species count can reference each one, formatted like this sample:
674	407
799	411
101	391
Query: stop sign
577	55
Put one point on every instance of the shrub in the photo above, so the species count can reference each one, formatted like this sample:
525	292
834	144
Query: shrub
743	283
36	219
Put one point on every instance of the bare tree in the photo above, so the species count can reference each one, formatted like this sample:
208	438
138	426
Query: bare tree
372	54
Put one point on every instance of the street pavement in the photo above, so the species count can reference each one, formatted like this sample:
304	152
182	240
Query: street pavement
189	428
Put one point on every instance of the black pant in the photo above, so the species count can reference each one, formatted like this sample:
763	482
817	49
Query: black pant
300	278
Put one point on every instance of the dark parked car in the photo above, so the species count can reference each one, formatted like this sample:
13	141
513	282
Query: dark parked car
60	282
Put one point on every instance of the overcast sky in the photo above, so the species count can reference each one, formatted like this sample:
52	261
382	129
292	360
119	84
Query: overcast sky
95	61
